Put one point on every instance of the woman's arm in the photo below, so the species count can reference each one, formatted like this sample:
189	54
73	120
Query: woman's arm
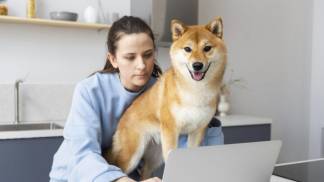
82	134
213	136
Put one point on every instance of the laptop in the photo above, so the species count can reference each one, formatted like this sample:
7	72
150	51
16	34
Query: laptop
244	162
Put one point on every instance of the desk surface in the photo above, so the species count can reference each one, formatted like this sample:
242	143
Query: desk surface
279	179
304	171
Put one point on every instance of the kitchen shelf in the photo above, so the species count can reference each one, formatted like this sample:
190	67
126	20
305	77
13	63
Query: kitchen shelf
55	23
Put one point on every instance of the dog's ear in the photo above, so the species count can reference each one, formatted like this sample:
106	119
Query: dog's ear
216	27
177	29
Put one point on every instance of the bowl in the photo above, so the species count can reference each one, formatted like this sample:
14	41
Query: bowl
63	15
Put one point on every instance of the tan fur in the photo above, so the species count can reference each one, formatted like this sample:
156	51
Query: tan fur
176	104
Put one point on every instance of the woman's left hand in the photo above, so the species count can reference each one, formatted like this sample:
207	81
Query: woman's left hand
155	179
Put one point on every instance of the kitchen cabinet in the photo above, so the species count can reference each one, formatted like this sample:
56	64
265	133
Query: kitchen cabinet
27	159
240	128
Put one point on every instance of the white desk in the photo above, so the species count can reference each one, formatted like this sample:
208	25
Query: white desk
279	179
302	171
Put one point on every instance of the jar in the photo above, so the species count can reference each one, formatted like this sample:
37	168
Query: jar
3	9
31	8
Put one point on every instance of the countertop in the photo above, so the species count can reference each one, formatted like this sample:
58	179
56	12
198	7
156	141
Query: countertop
243	120
227	121
4	135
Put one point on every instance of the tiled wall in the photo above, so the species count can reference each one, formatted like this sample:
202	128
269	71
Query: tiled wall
6	103
38	102
323	142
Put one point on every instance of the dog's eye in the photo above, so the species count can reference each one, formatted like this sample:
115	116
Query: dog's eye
207	48
187	49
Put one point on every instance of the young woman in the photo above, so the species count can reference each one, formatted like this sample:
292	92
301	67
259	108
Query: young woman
99	101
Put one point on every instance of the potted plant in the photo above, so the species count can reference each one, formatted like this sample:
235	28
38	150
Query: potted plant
223	104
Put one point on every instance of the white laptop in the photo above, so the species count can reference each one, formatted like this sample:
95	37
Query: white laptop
244	162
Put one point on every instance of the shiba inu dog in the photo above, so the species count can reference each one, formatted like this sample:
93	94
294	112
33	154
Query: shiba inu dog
182	101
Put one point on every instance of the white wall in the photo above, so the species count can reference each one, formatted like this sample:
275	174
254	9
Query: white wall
49	54
317	86
269	45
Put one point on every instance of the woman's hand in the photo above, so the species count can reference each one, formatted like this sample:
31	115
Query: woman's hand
124	179
127	179
155	179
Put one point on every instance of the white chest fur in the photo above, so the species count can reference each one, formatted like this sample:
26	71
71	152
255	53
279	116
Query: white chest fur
195	110
189	118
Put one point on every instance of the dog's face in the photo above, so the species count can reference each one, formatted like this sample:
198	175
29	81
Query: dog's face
198	51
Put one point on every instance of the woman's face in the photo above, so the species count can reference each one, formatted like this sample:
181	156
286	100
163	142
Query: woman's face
134	58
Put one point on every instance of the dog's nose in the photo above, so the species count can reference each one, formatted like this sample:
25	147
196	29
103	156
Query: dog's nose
197	66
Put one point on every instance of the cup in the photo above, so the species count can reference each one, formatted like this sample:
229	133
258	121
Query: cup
91	15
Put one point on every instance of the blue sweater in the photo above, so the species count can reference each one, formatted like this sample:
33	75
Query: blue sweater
98	103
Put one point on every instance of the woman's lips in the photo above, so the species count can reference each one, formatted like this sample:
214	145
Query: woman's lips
140	74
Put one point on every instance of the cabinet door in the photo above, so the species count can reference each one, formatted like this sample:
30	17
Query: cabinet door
27	160
250	133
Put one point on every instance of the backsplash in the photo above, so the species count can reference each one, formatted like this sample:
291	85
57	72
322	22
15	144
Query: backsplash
38	102
6	103
323	142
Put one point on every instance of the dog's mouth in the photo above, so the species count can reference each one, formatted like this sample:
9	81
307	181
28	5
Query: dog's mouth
198	75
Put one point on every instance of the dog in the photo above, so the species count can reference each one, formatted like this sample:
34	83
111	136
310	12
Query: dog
182	101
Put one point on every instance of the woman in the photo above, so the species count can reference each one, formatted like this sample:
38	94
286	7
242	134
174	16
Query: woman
99	101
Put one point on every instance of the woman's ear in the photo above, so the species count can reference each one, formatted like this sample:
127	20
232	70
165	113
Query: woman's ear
112	60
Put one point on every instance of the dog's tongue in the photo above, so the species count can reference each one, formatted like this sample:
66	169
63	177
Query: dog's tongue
198	75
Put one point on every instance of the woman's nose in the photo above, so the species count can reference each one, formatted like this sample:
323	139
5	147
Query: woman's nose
140	63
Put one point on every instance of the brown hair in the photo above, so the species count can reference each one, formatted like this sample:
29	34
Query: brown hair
127	25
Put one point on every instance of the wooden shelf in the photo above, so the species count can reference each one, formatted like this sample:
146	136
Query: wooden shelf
54	23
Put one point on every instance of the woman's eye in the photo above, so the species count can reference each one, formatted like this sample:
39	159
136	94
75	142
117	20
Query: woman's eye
207	48
130	58
187	49
148	55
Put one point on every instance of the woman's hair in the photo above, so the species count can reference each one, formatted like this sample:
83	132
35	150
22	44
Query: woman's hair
124	26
